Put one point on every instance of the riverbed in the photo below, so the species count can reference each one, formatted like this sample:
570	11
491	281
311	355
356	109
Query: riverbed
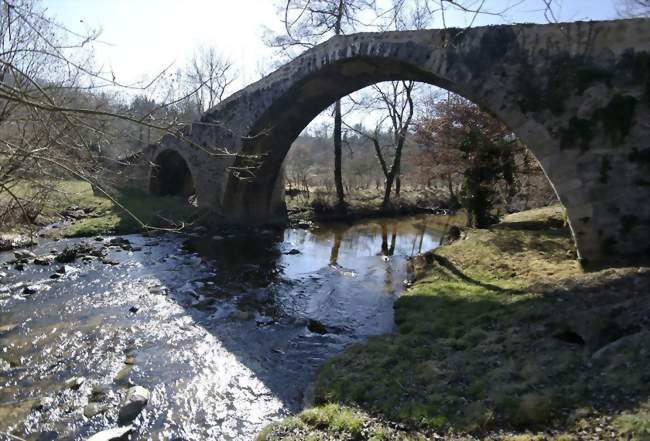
225	331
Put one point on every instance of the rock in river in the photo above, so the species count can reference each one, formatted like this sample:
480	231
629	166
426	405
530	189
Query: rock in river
24	254
74	383
92	409
316	327
117	434
6	329
137	398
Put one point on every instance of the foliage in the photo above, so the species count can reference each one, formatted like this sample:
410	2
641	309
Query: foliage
469	141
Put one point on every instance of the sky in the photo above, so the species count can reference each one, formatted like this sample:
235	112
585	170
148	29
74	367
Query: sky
141	38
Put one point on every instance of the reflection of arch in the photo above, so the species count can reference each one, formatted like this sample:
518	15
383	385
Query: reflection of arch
171	175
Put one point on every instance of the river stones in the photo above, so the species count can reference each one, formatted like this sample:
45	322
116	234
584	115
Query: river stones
123	377
11	241
6	329
242	315
24	254
92	409
136	399
49	435
74	383
116	434
44	403
316	327
44	260
100	392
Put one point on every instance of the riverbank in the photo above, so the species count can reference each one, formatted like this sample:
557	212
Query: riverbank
71	209
321	206
502	336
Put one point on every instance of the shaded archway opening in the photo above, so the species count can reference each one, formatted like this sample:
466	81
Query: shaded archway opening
171	176
277	128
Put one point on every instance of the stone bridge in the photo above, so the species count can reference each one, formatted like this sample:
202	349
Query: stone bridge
578	95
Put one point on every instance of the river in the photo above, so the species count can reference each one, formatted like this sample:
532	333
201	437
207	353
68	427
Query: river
226	333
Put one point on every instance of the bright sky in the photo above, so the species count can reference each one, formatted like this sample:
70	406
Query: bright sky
142	37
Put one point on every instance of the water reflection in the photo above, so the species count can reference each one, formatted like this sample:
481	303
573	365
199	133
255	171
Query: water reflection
224	346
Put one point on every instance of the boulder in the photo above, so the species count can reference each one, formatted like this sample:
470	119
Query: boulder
11	241
48	435
74	383
316	327
43	261
100	392
6	329
242	315
92	409
116	434
136	399
24	254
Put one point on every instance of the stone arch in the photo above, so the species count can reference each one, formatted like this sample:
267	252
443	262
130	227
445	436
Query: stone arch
275	130
578	94
561	88
171	175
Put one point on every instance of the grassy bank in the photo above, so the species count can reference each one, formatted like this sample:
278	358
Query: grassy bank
501	337
87	214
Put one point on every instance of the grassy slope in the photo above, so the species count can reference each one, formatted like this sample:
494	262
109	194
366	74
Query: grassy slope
501	337
105	216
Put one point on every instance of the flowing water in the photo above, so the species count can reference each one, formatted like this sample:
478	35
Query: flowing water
227	336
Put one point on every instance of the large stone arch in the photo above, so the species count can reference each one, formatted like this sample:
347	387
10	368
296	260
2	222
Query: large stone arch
578	94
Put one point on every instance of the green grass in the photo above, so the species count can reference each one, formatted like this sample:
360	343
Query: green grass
334	422
105	215
635	425
498	334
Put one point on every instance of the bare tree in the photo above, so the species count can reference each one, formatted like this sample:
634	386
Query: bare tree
309	22
395	100
634	8
57	115
209	75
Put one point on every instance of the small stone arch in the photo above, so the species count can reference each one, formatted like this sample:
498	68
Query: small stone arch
171	175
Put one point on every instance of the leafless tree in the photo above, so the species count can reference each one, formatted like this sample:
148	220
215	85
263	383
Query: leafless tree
634	8
209	75
395	100
309	22
58	112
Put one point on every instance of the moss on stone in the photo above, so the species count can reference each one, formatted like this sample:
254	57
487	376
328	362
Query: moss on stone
605	168
641	157
617	117
580	132
636	66
629	221
616	120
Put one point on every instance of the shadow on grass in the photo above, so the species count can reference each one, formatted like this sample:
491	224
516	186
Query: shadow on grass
448	264
140	211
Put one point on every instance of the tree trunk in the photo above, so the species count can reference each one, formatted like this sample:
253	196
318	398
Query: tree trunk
387	190
338	147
